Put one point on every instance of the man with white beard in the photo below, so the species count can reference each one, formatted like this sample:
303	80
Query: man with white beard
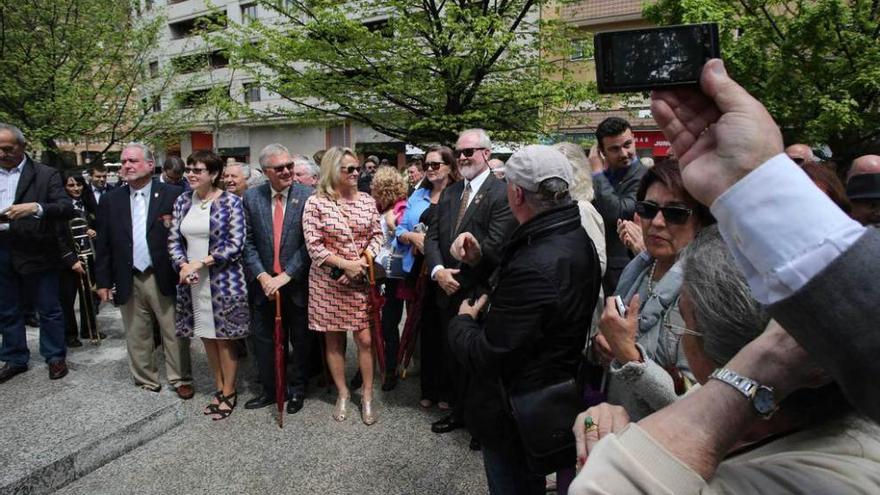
470	212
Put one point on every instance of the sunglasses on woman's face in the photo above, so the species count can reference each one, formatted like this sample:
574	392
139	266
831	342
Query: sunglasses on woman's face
432	165
350	169
672	214
194	170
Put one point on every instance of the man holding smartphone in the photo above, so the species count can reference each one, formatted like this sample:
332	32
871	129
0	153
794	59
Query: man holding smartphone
616	175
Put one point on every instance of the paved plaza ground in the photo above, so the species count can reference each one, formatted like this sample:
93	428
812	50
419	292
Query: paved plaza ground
94	432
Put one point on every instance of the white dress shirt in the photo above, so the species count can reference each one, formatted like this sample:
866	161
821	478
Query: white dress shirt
8	185
284	195
781	228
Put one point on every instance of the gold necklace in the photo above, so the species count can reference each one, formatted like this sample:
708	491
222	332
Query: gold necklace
207	201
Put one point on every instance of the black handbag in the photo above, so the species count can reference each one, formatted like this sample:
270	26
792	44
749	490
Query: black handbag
544	418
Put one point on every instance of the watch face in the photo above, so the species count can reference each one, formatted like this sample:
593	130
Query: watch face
764	402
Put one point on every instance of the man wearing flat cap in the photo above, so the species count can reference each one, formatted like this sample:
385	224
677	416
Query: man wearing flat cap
863	190
524	339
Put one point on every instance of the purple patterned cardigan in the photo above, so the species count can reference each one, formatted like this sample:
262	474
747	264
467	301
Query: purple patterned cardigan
228	284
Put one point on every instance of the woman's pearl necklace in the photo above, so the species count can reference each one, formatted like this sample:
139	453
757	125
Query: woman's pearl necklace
651	279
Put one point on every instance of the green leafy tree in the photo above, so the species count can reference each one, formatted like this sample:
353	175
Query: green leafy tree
81	70
418	71
814	64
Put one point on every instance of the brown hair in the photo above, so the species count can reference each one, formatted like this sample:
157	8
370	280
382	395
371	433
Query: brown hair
667	173
447	156
387	188
821	174
212	162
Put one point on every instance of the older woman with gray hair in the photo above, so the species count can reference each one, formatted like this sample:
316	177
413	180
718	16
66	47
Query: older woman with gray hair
582	192
798	433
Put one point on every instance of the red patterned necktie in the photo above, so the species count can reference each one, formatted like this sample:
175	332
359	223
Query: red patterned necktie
277	223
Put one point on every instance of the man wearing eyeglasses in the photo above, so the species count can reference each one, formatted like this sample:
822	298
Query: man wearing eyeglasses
132	255
470	212
275	254
616	176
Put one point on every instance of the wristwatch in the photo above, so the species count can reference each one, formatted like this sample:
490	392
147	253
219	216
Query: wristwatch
761	396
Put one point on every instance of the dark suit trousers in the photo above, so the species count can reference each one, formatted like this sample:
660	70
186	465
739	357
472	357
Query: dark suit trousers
456	372
42	288
295	321
435	351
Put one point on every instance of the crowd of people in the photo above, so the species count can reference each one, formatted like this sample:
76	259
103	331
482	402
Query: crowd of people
699	325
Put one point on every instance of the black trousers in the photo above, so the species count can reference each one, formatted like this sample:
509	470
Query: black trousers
295	321
457	374
434	373
392	312
69	281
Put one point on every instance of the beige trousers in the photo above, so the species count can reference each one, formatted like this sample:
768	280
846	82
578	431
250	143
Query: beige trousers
145	305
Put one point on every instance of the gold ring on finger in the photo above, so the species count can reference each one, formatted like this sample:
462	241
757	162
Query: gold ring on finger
590	424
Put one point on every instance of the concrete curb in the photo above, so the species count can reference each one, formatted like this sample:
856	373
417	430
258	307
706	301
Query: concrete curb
58	467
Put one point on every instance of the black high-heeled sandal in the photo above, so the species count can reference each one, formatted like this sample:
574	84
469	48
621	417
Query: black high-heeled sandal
211	408
224	413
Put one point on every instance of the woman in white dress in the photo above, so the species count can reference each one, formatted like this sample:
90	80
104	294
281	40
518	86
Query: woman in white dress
206	242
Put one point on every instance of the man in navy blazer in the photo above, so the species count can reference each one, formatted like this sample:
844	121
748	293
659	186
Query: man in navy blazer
33	206
132	255
285	277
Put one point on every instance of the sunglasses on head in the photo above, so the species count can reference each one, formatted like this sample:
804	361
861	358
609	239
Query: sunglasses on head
193	170
432	165
672	214
350	169
284	166
467	152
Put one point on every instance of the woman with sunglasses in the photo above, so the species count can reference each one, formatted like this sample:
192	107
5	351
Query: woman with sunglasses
440	171
205	242
639	343
341	227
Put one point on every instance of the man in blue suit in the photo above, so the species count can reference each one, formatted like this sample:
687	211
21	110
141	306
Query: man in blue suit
276	256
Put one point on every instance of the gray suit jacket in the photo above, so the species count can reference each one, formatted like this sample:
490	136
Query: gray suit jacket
835	318
259	247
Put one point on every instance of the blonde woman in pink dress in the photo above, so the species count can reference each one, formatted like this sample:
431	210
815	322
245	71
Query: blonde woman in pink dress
340	226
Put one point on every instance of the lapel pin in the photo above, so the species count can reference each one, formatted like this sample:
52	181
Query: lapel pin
155	195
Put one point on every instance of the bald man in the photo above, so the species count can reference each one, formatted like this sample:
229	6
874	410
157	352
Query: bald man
801	153
865	164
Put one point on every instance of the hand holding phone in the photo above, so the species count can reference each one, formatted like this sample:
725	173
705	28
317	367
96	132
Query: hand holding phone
621	308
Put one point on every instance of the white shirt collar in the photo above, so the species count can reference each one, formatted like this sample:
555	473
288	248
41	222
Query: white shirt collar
478	181
17	169
146	190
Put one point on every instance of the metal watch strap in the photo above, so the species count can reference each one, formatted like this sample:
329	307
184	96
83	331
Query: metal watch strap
745	386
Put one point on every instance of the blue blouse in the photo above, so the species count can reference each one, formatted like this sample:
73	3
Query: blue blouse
417	203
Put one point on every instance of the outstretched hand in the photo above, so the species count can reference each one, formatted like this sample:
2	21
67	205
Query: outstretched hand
719	134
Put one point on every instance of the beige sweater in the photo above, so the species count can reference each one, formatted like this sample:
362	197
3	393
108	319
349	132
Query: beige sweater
834	459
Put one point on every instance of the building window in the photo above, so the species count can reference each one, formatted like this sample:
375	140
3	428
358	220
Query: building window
154	69
251	92
249	12
581	50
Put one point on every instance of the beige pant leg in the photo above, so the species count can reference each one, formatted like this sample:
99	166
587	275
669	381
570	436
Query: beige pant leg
178	367
137	318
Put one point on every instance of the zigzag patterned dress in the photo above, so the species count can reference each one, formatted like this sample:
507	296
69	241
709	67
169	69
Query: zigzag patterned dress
345	228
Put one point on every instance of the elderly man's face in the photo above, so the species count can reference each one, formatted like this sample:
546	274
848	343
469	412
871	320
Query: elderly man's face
11	151
473	165
302	174
279	171
369	167
691	345
233	177
413	174
135	169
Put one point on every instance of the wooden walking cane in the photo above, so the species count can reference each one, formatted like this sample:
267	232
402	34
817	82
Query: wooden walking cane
280	375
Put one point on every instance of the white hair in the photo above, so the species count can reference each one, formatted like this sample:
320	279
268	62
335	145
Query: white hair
245	168
483	140
314	170
148	153
271	150
16	132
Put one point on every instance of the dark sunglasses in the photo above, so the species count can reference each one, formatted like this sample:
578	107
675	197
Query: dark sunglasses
350	169
284	166
467	152
193	170
432	165
672	214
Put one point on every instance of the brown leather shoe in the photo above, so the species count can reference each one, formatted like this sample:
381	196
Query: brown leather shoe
185	392
57	369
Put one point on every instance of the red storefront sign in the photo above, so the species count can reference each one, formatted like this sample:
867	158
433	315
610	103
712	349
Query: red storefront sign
653	140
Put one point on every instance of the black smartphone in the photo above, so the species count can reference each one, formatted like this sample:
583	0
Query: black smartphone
655	58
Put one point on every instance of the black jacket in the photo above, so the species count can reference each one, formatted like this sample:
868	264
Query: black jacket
113	245
488	218
40	244
537	322
614	203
